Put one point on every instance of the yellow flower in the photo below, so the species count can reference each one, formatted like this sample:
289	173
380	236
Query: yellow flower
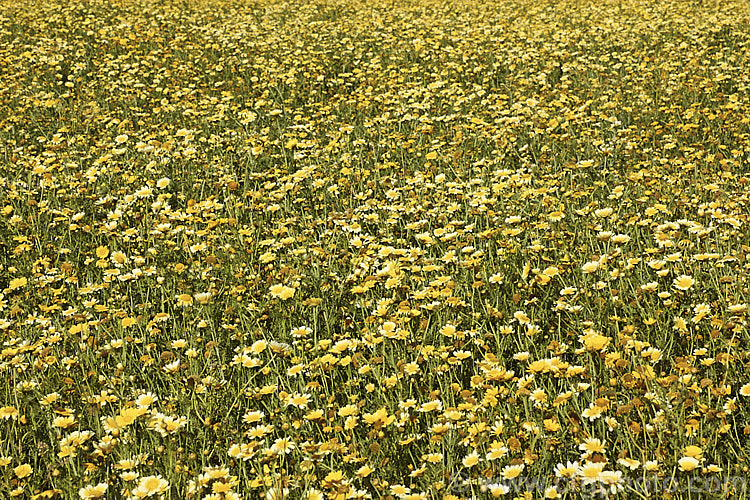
184	300
93	491
551	425
592	445
591	471
282	292
379	418
17	283
220	487
512	471
521	317
258	346
594	341
22	471
683	282
150	485
448	330
8	412
333	478
119	258
127	322
590	267
128	415
314	494
471	459
283	446
556	216
299	400
146	400
400	490
688	464
365	471
314	415
102	252
552	492
64	422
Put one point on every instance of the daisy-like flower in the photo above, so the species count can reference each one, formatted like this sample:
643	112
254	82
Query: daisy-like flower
283	446
737	308
620	239
17	283
590	267
448	330
184	300
93	491
129	476
497	451
8	412
253	416
651	466
521	356
688	464
556	216
593	412
119	258
683	282
630	463
538	396
178	344
22	471
471	459
498	490
411	368
590	471
435	405
301	332
64	422
364	471
521	317
551	492
512	471
299	400
745	390
277	493
594	341
569	469
314	494
282	292
611	480
172	367
593	445
399	489
150	486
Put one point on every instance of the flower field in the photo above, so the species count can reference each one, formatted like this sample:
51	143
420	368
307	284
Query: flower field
339	249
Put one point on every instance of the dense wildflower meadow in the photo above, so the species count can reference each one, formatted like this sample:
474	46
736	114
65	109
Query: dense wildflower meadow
400	250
